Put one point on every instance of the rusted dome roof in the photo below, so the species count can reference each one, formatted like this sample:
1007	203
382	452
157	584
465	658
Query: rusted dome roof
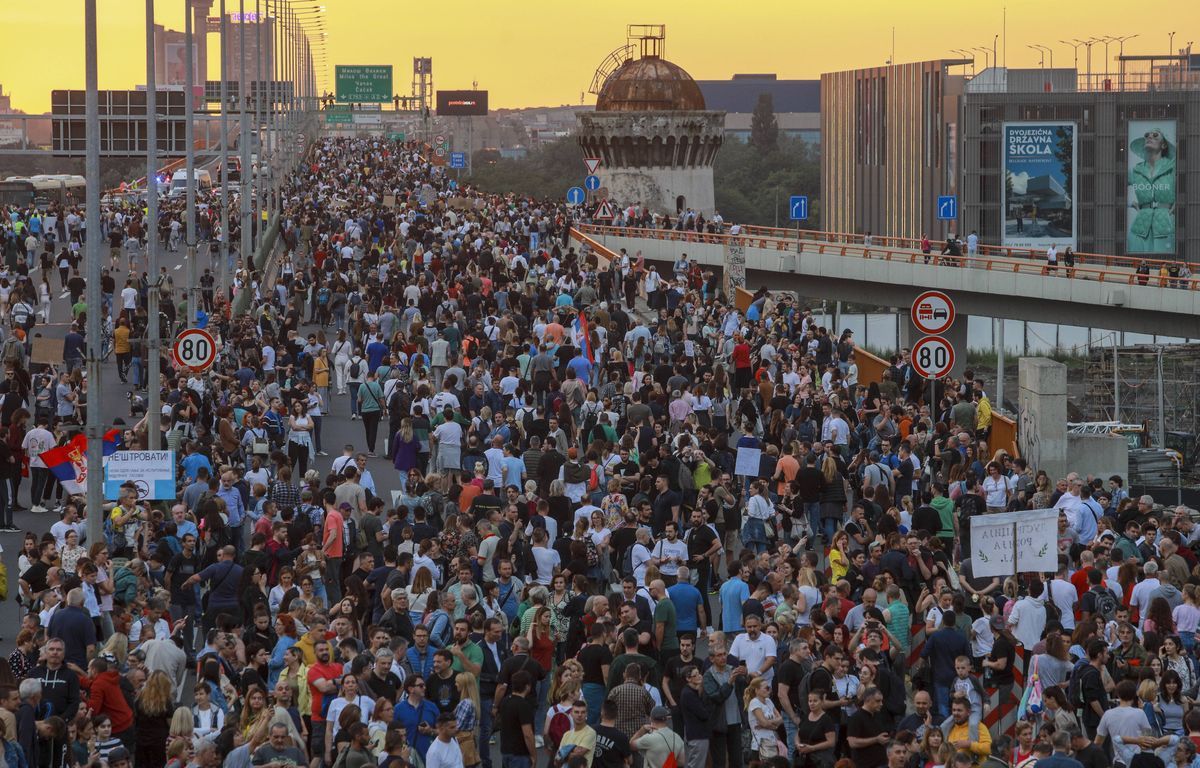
649	84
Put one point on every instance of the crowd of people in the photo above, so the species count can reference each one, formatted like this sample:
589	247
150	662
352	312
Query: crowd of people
552	555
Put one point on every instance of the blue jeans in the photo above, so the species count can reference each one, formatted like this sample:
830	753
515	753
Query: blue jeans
831	526
789	728
354	385
485	732
516	761
539	714
593	694
813	510
941	702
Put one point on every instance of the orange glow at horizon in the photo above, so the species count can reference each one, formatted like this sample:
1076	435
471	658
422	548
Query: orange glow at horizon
544	53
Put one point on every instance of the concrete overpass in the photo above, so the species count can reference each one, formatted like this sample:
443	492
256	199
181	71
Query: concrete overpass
1100	292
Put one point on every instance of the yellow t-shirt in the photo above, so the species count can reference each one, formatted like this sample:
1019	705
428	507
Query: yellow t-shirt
585	738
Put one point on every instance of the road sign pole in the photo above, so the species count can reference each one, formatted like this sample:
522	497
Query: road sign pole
95	446
190	137
153	407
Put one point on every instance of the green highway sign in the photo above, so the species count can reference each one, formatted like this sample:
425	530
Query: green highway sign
339	117
338	108
396	136
363	83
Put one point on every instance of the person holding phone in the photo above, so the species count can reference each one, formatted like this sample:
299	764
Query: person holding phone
868	730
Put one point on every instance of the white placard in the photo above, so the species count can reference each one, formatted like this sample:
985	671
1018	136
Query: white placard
1035	548
749	461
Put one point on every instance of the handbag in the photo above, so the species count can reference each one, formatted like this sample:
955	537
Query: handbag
469	744
260	446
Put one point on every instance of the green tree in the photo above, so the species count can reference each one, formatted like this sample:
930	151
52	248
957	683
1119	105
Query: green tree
764	128
751	187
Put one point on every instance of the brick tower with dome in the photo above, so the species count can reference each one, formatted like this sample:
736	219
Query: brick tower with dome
655	139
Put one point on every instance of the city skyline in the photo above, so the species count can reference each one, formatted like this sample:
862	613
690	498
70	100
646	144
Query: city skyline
549	61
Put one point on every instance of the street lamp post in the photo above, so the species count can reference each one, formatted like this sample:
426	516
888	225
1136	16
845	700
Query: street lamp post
95	439
189	108
248	173
224	251
1121	58
1075	49
153	331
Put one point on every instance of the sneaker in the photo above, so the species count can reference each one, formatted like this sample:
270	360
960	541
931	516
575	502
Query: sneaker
354	417
539	742
322	453
10	529
370	454
37	509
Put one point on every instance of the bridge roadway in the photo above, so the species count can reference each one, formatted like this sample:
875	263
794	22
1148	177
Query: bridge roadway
1099	292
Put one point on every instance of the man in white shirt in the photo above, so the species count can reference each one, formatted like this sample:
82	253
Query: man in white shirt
1028	617
36	441
1070	501
1143	590
755	648
669	553
1063	594
495	460
547	559
129	297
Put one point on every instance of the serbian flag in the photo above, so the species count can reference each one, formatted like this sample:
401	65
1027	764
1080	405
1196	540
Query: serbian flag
68	463
112	441
583	337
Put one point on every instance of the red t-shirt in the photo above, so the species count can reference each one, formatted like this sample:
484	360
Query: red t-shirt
741	355
330	671
331	539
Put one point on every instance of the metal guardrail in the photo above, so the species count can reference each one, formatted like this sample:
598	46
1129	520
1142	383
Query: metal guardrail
1117	275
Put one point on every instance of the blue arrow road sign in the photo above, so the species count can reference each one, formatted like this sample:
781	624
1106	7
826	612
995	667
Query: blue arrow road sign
458	159
576	196
947	207
592	183
798	207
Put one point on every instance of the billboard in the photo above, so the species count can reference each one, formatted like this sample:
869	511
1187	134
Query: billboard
462	103
1150	221
1038	198
356	83
175	64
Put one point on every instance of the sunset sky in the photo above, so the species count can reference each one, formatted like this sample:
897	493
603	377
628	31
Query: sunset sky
543	52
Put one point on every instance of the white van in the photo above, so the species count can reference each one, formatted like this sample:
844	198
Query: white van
179	183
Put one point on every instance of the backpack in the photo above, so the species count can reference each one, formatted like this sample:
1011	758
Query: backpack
1106	603
356	367
1053	612
323	296
627	559
12	350
1075	684
559	725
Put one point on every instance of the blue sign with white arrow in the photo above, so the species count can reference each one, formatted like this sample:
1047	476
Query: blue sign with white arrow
947	207
592	183
798	207
576	196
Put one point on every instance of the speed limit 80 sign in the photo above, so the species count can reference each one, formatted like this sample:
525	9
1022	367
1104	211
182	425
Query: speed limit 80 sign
933	357
194	349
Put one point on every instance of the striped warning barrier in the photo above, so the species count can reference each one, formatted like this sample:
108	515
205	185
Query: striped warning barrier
1000	717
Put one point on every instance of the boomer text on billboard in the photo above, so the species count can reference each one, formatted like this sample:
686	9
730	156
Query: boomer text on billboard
1150	220
1039	185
